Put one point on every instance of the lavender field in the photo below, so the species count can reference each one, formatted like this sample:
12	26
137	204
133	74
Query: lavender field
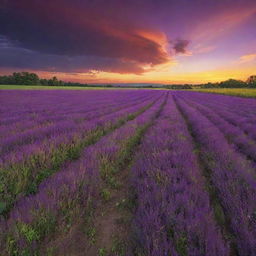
127	172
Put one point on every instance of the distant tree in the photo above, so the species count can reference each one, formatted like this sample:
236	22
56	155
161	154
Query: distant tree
232	83
43	81
178	86
209	85
251	81
53	82
6	80
187	86
25	78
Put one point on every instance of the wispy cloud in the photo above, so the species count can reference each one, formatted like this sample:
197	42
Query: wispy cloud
247	58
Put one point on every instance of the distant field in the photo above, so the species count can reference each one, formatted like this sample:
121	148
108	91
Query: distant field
233	91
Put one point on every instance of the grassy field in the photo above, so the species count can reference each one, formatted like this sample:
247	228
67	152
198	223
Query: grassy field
249	92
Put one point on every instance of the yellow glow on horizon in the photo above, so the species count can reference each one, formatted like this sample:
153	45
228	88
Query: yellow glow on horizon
168	73
164	76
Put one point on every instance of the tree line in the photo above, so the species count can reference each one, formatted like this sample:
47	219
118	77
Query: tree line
26	78
232	83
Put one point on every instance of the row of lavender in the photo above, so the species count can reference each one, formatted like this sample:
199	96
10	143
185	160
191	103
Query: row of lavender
28	163
37	124
23	146
232	176
69	194
173	215
200	144
193	175
235	119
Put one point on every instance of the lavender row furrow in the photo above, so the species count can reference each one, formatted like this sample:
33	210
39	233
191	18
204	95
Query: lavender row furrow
243	116
247	124
240	106
235	136
67	134
77	113
67	195
21	178
80	112
37	134
173	214
232	177
31	103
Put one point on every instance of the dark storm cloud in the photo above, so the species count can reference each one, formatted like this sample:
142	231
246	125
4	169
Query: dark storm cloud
18	58
180	46
77	28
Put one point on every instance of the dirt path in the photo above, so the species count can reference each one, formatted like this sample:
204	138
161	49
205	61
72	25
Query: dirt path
106	232
111	220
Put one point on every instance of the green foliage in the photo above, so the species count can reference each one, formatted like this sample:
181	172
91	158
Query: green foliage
12	246
50	251
105	194
232	83
22	78
181	246
107	169
26	78
44	224
118	247
91	234
54	81
178	86
209	85
28	232
251	81
219	214
2	207
102	252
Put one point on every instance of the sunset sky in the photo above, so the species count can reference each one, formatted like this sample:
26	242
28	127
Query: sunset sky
132	41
